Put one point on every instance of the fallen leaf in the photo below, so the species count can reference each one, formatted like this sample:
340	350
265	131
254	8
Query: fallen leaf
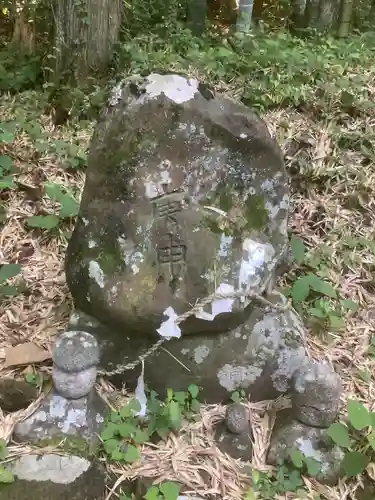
25	354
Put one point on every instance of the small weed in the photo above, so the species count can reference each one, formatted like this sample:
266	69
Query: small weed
35	379
6	477
238	396
312	292
8	271
124	431
267	486
163	491
68	208
357	438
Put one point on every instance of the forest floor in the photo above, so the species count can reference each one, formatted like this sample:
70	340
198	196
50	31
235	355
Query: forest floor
331	162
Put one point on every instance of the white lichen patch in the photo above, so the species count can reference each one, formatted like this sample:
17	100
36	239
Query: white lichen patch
235	377
96	273
255	258
116	94
91	244
225	245
200	354
177	88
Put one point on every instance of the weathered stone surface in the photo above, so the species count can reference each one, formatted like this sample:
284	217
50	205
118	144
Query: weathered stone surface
316	393
260	356
79	421
312	442
75	358
235	445
16	394
75	351
237	418
52	477
184	191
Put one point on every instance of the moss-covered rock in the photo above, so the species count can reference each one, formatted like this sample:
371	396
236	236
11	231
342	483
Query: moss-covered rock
184	191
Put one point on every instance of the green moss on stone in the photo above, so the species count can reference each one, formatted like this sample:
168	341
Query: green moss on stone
70	445
256	213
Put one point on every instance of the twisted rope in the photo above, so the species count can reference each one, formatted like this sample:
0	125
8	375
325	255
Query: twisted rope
197	308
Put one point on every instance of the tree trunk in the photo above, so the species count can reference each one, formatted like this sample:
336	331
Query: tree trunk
372	11
196	16
23	33
244	16
346	17
298	16
86	31
322	15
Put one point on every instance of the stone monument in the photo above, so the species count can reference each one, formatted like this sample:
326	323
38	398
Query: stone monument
70	417
186	195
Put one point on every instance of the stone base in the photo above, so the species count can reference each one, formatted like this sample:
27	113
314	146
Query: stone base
52	477
235	445
312	442
260	356
79	420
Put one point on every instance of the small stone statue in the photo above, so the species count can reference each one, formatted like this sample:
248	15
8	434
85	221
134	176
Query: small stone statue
72	410
75	358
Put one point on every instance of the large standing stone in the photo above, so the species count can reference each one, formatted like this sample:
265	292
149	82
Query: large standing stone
184	191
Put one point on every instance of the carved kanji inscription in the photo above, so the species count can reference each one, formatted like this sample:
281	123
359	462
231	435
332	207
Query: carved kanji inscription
171	247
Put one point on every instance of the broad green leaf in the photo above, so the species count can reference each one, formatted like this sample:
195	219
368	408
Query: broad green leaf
194	390
339	435
109	431
6	477
235	397
297	458
318	285
170	490
8	271
354	463
126	411
162	431
298	249
174	414
313	466
336	322
111	445
117	454
6	137
372	417
195	406
5	163
359	416
8	291
69	206
141	437
152	493
54	191
135	405
115	417
43	221
3	450
126	430
317	313
350	305
7	182
300	290
131	454
365	375
180	397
